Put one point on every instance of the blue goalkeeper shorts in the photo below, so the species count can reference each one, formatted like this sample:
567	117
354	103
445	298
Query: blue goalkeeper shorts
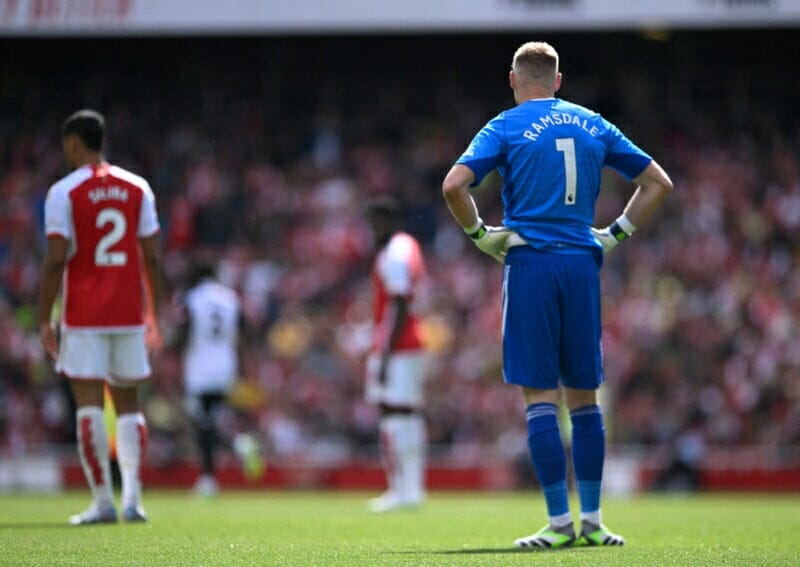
551	320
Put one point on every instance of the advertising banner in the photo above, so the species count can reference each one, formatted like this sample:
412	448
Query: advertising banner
276	17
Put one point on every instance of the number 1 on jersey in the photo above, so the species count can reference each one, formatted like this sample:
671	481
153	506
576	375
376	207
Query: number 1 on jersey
567	146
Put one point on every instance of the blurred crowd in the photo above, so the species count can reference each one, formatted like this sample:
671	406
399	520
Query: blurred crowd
701	308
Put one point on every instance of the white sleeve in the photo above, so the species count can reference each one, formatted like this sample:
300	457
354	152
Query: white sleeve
395	271
148	217
57	212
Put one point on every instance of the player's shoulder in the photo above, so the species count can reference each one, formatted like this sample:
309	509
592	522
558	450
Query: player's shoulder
130	178
583	113
196	296
225	292
497	122
575	108
550	111
403	241
71	181
401	247
209	289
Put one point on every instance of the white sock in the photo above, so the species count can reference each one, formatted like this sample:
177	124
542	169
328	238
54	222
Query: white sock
560	521
131	452
412	456
407	447
388	440
93	451
593	517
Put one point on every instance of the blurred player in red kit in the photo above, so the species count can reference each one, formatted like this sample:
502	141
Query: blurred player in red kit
102	232
396	365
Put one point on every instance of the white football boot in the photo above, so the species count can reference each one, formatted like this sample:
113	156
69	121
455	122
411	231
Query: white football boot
105	514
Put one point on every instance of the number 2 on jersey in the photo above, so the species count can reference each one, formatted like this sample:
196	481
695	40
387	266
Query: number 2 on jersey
102	257
567	146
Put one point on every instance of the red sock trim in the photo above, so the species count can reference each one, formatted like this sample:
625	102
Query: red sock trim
143	440
89	454
389	462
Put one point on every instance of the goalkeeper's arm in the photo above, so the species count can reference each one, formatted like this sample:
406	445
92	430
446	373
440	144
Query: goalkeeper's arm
490	240
653	186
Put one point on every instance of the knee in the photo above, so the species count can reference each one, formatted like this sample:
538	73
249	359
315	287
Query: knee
579	398
537	396
88	392
126	400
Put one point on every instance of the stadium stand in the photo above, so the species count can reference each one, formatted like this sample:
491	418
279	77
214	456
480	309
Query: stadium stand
262	150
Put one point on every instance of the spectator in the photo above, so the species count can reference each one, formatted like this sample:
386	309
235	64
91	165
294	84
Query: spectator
273	195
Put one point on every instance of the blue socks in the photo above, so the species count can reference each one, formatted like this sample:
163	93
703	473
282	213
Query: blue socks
549	459
588	454
547	454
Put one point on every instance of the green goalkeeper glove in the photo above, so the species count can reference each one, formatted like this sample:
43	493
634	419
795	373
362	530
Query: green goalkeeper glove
614	233
491	240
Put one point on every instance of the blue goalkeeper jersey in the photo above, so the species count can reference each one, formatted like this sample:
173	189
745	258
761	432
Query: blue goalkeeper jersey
550	154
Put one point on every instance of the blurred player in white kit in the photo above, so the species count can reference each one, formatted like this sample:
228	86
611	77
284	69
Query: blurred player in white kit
102	232
209	338
396	364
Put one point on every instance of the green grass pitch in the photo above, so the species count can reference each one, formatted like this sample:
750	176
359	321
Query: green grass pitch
335	528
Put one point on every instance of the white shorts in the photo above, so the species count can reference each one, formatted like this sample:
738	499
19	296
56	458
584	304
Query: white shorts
405	376
119	358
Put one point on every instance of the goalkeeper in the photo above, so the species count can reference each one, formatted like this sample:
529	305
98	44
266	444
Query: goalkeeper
550	154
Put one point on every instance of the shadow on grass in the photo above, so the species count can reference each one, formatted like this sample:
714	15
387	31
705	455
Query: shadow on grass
490	551
48	525
33	525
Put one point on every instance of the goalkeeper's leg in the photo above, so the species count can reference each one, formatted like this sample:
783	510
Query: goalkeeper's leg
549	460
588	455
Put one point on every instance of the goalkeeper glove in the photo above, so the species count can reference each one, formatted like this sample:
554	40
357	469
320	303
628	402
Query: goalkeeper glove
491	240
615	233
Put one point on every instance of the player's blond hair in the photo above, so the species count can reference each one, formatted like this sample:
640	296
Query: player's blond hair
536	61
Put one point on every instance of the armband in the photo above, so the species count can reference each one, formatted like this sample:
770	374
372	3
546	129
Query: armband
621	228
478	233
476	230
617	232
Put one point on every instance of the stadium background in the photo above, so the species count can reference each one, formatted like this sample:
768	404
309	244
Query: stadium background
262	148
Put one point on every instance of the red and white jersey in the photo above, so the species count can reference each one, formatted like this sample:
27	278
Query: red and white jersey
398	271
102	210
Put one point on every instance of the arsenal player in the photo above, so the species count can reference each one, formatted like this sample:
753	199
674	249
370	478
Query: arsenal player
102	232
396	365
